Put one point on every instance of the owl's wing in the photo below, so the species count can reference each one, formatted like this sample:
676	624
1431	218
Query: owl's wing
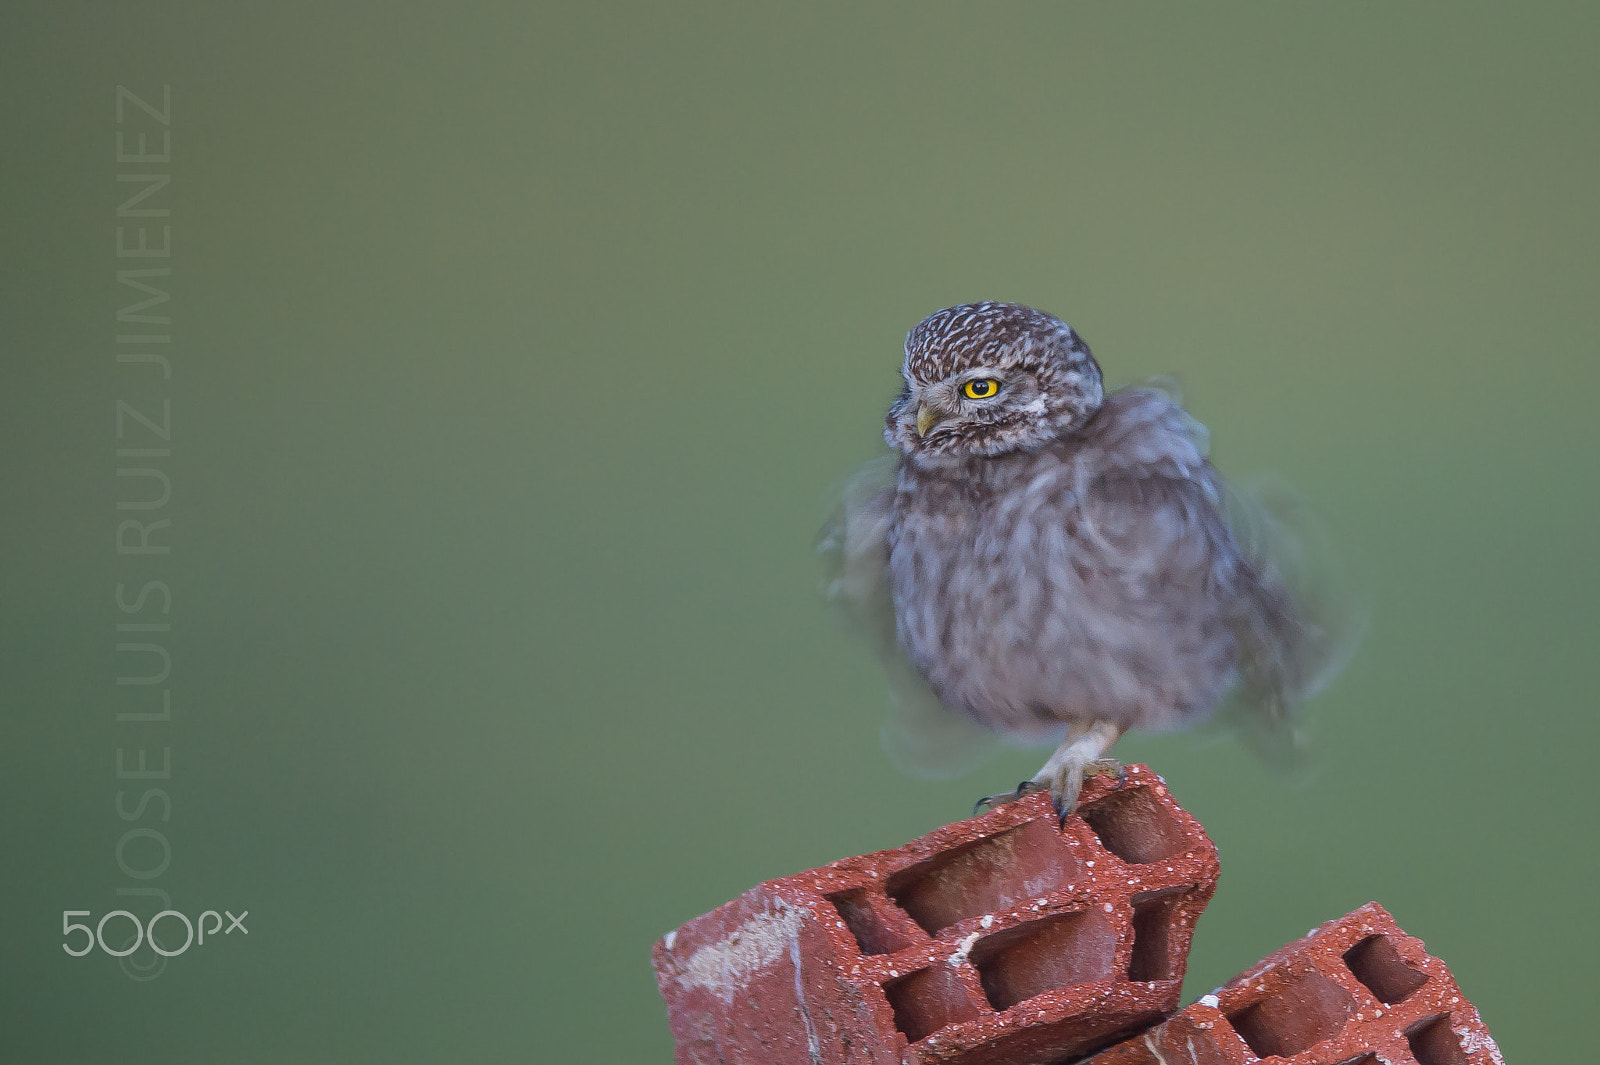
1164	521
1304	620
920	735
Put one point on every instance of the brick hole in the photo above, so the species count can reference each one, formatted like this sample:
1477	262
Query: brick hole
1361	1059
1044	955
1376	963
873	934
928	1000
1153	915
1135	827
1434	1043
985	876
1302	1014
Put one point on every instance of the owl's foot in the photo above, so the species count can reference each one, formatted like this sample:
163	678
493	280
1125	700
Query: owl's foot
1078	756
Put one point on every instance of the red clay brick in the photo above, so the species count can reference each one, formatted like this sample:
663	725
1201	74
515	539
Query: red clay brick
998	940
1357	991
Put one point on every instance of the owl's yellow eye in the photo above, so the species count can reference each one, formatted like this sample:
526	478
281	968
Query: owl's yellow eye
980	388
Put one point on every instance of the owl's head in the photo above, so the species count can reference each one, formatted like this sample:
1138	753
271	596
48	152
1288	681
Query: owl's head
988	378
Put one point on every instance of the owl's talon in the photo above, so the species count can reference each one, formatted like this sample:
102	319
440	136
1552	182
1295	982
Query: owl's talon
1024	789
992	801
1065	808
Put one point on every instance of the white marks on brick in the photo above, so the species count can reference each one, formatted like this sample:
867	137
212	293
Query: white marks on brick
1474	1042
813	1045
724	968
962	950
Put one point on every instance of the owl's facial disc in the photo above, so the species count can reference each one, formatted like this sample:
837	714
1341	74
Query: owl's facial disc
985	410
984	379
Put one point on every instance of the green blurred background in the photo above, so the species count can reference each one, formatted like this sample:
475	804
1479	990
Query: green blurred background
515	351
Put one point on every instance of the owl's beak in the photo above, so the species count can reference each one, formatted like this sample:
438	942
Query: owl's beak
927	418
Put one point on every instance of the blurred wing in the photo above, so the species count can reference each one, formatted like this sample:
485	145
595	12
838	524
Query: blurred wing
920	735
924	738
1294	619
1305	623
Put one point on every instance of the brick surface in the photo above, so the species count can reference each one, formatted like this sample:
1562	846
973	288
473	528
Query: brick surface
997	940
1357	991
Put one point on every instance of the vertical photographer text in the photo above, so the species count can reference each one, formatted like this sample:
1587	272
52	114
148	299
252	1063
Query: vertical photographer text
142	523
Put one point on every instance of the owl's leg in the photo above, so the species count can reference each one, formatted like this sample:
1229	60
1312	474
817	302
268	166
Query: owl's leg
1084	753
1075	729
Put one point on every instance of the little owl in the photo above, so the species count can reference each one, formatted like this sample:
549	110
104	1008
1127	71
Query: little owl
1048	557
